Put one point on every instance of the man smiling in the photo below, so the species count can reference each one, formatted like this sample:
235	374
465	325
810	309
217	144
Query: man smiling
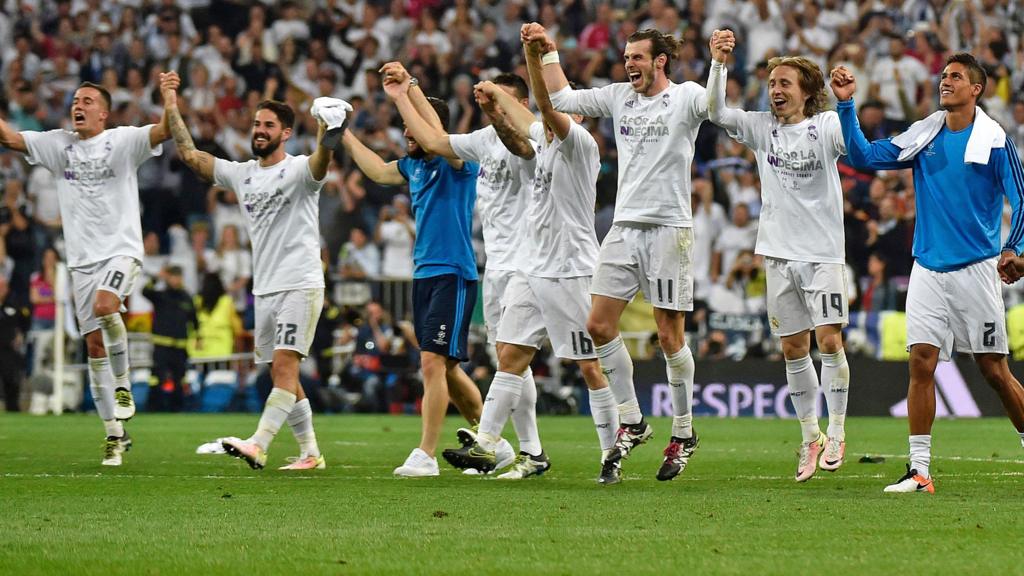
964	164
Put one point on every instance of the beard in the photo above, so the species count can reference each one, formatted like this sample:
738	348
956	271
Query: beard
417	152
269	148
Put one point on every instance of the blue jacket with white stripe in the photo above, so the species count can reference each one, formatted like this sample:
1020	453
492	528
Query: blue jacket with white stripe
959	205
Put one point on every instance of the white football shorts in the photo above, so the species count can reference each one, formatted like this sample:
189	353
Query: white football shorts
805	295
553	307
116	275
960	310
286	321
657	260
495	282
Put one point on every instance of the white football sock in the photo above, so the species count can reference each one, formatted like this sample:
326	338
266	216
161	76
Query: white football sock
113	428
618	368
680	368
502	396
115	340
524	417
835	378
279	405
803	391
101	383
921	454
300	419
606	416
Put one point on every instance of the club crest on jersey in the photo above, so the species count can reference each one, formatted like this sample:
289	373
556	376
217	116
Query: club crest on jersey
665	101
108	147
812	132
280	175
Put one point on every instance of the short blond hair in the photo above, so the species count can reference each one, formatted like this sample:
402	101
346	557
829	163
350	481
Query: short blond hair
812	81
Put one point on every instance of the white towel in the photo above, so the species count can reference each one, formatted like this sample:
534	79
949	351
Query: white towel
986	135
331	111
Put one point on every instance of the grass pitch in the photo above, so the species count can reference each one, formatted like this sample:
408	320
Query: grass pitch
736	510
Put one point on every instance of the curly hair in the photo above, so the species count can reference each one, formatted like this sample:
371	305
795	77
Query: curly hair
812	82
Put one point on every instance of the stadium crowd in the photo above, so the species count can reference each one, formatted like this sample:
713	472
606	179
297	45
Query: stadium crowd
232	54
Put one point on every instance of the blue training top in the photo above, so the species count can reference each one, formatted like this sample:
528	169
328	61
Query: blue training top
959	205
442	201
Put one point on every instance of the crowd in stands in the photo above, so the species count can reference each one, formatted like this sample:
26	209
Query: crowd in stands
233	53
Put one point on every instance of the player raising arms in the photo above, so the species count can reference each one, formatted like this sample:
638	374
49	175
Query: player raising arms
650	245
98	194
963	164
507	162
443	192
279	195
800	235
549	296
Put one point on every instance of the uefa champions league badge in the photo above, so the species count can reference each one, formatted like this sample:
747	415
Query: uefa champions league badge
812	132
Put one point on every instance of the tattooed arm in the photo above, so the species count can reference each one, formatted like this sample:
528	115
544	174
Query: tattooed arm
200	162
516	142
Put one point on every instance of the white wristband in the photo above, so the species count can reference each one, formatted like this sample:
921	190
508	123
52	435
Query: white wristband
550	58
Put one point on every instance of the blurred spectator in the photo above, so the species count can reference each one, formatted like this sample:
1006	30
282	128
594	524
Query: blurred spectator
902	84
372	344
396	232
233	263
42	283
359	259
217	323
890	237
174	317
708	222
876	292
736	237
14	324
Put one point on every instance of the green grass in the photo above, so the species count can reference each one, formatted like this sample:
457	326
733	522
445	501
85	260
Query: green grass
736	510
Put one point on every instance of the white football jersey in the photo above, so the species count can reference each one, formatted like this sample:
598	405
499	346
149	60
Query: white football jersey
559	224
97	188
655	141
281	208
502	185
801	194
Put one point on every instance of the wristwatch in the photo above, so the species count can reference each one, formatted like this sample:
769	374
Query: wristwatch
413	81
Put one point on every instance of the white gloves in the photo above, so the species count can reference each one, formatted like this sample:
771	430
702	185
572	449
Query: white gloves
330	111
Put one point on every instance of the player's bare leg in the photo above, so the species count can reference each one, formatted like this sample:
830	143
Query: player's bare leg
920	415
996	371
464	393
